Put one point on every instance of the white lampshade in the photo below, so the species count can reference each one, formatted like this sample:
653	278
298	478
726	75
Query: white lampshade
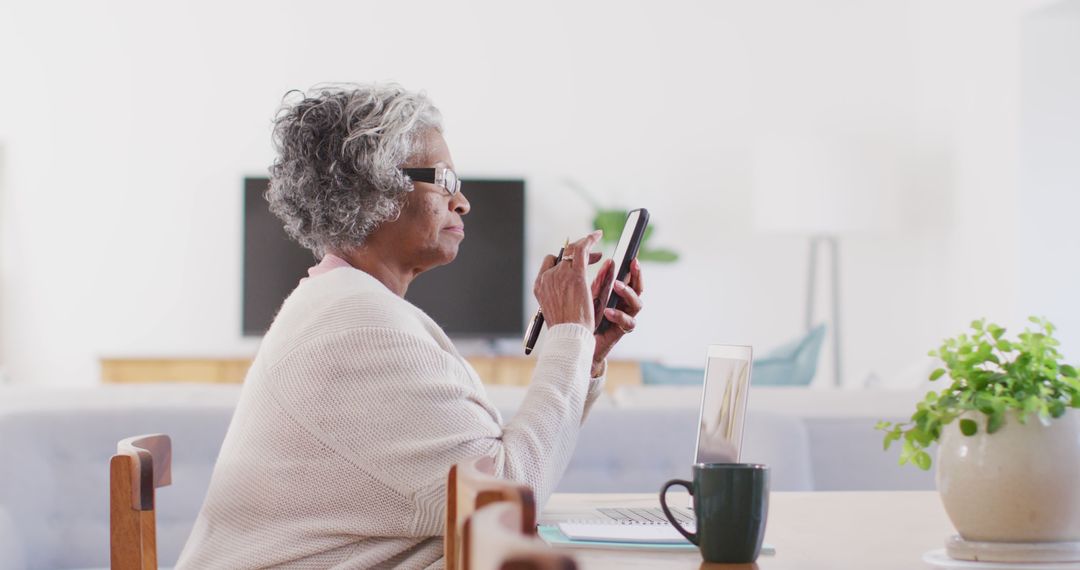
826	185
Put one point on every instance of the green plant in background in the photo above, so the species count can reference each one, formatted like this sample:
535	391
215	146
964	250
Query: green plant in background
612	220
992	375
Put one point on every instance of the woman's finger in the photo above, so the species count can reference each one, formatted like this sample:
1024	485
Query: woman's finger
594	257
582	248
602	278
546	264
631	301
625	322
635	277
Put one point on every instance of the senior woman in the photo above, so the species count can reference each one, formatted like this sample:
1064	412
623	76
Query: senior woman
357	403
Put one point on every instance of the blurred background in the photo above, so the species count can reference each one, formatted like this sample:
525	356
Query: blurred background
928	148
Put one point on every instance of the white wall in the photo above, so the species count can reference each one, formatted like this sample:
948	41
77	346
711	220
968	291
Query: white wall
1049	197
129	127
3	282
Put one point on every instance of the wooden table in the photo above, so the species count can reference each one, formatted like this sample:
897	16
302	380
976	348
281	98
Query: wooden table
873	530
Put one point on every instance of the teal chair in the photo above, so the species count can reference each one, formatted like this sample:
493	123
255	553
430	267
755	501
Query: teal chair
791	364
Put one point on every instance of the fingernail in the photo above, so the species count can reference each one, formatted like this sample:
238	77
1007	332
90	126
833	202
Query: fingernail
598	233
619	284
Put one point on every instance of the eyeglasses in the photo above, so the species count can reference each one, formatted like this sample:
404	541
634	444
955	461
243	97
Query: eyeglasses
442	176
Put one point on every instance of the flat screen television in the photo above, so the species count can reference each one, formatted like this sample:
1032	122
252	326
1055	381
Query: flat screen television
480	295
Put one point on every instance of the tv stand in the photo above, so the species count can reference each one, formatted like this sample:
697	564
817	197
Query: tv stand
496	370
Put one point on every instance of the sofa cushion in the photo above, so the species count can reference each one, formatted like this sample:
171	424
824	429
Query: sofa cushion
844	448
59	493
620	451
791	364
11	549
848	456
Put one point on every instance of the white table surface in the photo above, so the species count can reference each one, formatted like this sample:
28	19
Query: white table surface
873	530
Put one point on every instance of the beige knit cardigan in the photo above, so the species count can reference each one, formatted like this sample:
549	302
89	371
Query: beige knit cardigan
350	417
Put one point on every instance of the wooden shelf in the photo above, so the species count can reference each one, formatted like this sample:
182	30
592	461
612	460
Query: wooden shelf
498	370
515	371
203	370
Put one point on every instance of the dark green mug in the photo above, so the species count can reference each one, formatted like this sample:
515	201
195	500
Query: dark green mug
731	503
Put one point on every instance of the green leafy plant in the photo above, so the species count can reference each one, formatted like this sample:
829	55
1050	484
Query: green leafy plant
612	220
992	375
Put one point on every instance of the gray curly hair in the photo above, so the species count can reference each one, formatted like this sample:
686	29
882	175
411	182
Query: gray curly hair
339	148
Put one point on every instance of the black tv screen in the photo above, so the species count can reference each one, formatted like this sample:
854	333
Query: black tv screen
480	294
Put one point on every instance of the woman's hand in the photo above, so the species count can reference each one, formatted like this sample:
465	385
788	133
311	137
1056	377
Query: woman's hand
622	315
561	289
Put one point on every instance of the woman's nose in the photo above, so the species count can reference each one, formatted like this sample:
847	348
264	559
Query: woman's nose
460	203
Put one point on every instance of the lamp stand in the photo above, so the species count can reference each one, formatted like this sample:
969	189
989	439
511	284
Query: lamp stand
811	281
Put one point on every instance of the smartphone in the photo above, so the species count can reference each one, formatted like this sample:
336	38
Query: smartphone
625	252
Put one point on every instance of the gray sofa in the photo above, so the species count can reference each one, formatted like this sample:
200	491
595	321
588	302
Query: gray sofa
54	447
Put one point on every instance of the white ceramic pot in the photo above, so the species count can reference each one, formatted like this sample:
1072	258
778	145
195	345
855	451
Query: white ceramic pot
1019	484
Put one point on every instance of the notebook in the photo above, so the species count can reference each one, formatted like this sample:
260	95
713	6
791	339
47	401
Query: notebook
621	537
600	532
555	537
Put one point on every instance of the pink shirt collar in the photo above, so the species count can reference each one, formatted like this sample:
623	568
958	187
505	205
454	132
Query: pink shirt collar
329	263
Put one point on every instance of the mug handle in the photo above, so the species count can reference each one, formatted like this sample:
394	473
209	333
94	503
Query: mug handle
691	536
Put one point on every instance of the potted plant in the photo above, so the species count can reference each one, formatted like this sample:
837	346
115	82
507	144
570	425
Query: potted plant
611	220
1009	434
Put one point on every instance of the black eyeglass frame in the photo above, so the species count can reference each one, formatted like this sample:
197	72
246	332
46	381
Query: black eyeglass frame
435	176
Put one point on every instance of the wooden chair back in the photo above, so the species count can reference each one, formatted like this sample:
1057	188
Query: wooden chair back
494	538
471	485
141	464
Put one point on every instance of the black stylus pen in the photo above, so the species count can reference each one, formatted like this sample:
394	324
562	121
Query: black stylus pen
538	319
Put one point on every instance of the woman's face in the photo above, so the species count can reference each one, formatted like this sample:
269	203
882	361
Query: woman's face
430	228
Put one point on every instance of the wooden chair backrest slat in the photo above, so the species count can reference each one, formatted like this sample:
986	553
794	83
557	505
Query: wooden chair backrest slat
141	464
470	486
496	543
